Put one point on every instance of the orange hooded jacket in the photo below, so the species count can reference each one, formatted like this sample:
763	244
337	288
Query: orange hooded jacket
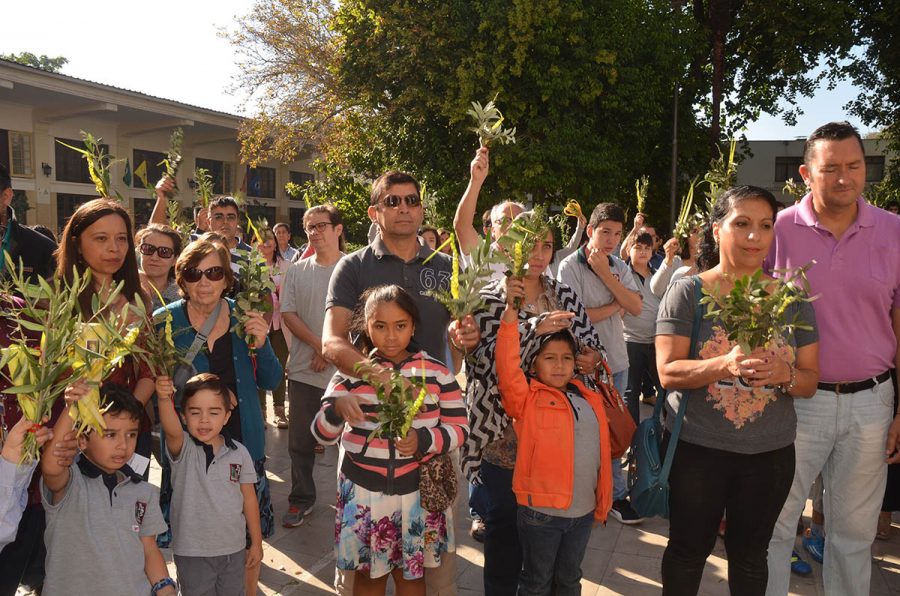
545	430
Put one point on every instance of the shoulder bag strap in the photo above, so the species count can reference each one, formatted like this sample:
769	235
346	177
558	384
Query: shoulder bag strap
203	334
679	418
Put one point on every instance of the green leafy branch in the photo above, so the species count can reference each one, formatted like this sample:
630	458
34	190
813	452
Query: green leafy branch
205	186
489	124
464	296
173	158
99	164
641	187
399	399
753	315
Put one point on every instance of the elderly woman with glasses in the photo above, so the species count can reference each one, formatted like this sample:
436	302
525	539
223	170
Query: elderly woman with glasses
204	275
158	246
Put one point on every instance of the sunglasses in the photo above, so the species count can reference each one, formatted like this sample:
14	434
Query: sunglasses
193	274
393	201
164	252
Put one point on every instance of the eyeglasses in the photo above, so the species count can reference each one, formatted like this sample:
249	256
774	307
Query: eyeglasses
393	201
193	274
164	252
319	227
224	216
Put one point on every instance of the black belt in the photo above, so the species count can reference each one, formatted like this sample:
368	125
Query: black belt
854	386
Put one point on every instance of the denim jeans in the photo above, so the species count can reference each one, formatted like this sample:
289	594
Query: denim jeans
641	363
304	401
620	485
843	437
705	483
552	550
502	552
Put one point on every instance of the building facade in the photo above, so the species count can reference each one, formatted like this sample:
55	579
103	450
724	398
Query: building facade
39	109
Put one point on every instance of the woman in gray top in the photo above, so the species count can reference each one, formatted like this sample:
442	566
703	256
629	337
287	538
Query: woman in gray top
735	453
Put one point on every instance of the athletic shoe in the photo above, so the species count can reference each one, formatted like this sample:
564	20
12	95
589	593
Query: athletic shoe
625	513
295	517
798	565
814	543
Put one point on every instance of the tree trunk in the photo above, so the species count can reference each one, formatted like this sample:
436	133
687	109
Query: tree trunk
719	23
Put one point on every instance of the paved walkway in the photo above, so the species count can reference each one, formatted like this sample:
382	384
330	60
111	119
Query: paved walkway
619	560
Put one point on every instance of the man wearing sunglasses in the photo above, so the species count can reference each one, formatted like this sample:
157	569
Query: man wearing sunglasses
395	256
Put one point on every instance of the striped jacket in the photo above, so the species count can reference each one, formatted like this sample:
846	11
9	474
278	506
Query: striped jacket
375	464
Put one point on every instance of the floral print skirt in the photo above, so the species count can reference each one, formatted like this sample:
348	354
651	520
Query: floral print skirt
376	533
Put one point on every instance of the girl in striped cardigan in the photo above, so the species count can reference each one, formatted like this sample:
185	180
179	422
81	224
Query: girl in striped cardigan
381	528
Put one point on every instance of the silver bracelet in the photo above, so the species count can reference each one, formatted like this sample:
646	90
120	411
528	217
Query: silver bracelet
792	383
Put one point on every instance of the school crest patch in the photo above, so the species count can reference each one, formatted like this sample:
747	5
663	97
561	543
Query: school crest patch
140	509
235	472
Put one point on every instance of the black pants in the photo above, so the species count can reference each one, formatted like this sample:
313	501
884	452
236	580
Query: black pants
304	401
705	483
641	363
502	551
23	559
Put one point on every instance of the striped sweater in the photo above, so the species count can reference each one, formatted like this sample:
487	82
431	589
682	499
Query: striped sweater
374	464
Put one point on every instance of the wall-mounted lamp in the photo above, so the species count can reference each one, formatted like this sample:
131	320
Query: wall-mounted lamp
45	167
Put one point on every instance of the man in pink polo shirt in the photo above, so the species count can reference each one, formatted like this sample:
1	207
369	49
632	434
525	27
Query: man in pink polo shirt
845	428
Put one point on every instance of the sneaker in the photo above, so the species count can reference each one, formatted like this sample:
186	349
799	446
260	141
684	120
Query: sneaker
814	543
650	399
295	517
798	565
281	420
625	513
477	530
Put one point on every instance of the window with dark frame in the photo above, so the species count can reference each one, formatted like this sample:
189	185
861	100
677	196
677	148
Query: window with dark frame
302	179
257	212
296	220
874	168
216	170
787	168
66	204
70	165
143	208
261	182
154	170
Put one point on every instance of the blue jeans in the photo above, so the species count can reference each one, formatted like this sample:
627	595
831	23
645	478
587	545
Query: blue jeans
620	486
502	553
552	548
842	437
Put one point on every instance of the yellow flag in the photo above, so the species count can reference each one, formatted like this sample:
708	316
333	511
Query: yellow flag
141	172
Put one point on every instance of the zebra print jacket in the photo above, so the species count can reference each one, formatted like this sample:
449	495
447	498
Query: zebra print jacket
487	419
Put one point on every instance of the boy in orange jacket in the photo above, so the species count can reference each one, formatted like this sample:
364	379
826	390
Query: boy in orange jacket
561	481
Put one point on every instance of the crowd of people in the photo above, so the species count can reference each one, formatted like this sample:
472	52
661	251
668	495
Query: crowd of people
510	395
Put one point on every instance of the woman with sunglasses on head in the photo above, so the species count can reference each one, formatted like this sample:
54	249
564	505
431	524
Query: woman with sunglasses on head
203	274
98	238
158	246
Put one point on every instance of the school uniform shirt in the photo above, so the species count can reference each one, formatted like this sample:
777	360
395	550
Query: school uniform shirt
14	480
207	504
93	535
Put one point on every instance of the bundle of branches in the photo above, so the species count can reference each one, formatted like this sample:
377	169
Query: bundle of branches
489	124
99	163
464	296
755	317
721	176
399	400
641	186
687	218
520	238
173	158
38	374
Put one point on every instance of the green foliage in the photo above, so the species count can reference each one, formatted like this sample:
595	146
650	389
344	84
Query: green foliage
884	193
178	221
489	124
753	316
204	182
464	296
794	190
347	193
43	61
173	157
399	400
256	288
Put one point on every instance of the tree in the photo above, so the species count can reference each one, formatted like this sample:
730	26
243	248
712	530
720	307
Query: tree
43	61
588	86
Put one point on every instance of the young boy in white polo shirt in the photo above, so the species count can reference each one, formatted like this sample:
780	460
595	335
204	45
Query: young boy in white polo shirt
102	518
214	504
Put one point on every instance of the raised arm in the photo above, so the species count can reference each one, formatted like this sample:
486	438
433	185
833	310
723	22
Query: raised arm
168	418
53	470
466	233
160	213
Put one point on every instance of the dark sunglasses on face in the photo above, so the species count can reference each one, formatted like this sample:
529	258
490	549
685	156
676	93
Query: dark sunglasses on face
164	252
393	201
193	274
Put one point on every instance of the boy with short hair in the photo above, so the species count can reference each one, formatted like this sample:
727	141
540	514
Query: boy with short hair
214	503
102	518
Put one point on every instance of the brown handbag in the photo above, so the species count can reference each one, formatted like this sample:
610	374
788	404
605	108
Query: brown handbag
621	424
437	483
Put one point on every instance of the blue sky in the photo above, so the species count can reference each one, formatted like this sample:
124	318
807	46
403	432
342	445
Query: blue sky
172	49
